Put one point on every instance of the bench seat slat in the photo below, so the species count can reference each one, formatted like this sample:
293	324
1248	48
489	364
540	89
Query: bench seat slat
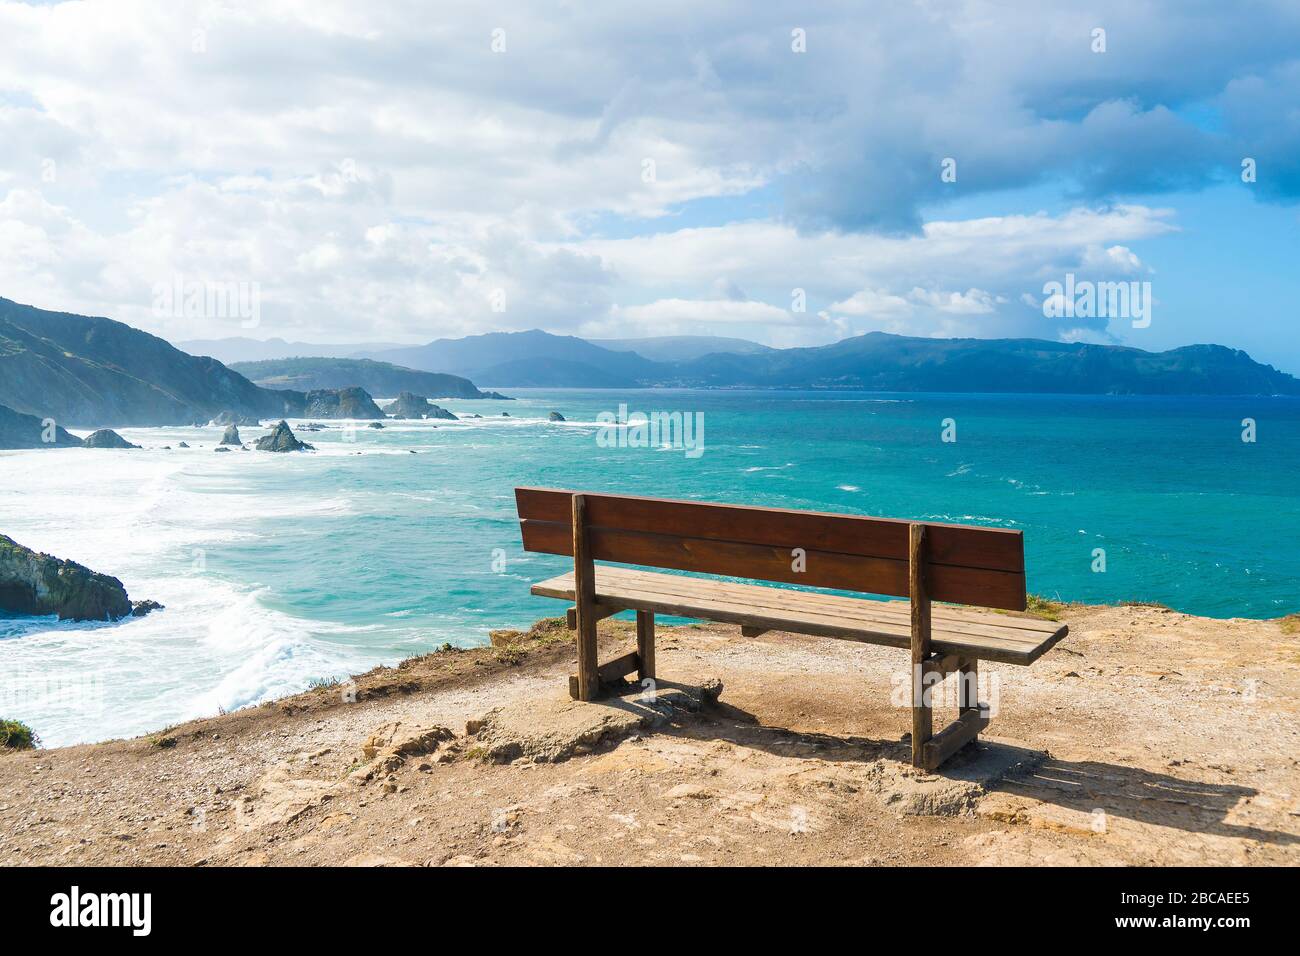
971	634
855	607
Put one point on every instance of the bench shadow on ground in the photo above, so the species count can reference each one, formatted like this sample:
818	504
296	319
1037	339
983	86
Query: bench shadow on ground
1084	786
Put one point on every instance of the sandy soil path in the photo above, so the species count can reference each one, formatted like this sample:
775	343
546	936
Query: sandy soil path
1147	737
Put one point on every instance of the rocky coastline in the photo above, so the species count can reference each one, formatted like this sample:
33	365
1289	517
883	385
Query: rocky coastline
35	583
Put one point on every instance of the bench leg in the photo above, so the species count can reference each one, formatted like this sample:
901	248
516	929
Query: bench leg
922	717
645	644
970	719
587	685
968	690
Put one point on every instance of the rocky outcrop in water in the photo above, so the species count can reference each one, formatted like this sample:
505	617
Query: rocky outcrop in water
106	438
231	436
556	417
408	405
340	403
27	431
35	583
282	439
141	608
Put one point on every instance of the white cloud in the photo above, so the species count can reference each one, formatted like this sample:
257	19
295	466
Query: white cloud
689	316
379	172
873	302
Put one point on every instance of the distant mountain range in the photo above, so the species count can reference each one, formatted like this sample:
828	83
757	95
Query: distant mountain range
94	372
88	371
84	371
875	361
377	378
682	348
527	358
244	349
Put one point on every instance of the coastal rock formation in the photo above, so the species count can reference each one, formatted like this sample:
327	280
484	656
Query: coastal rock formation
231	435
409	405
27	431
282	439
233	418
340	403
556	417
35	583
141	608
106	438
183	444
377	378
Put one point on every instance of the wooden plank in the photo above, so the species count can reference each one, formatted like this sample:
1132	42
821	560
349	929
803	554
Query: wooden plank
790	599
952	738
599	611
584	589
645	644
609	672
827	569
619	667
758	609
1014	646
769	611
943	664
997	549
922	715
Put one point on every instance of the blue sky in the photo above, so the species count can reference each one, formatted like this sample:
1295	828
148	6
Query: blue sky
392	172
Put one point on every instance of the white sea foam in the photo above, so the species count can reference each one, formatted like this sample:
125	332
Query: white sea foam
155	519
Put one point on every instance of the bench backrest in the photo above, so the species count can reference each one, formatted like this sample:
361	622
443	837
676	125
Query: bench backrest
964	564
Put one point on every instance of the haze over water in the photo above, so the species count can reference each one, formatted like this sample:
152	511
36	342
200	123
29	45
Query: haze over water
280	569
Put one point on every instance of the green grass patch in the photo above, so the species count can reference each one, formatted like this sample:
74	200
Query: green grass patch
163	739
15	735
1042	607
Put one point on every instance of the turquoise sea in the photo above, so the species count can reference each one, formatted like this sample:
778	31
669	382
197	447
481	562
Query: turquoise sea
278	569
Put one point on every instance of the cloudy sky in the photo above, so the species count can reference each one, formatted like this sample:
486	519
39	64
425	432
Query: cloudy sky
787	172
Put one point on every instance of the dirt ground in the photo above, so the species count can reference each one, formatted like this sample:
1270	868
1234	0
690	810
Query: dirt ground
1146	737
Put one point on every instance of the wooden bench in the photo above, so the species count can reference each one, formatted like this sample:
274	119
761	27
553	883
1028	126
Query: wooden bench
922	561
